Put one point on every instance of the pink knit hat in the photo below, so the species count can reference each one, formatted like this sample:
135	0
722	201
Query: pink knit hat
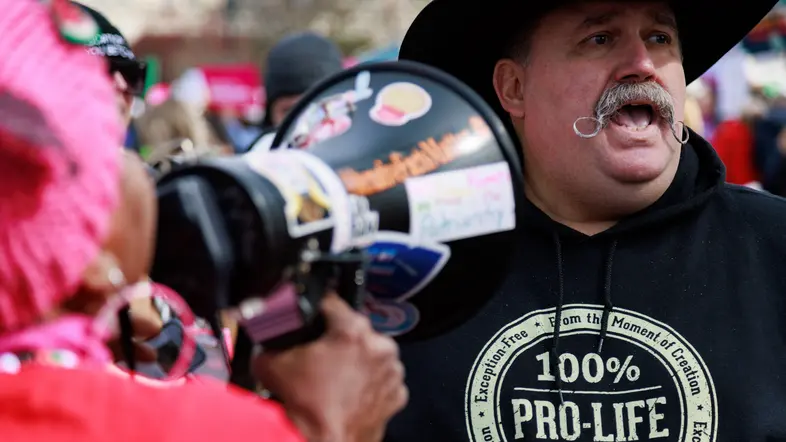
60	140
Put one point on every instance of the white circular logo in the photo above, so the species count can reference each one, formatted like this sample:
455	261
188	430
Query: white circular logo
648	383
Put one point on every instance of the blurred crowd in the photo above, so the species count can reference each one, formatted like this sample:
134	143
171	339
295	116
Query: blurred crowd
750	138
185	119
740	107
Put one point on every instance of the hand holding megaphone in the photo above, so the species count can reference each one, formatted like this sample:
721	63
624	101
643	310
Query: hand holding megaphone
344	386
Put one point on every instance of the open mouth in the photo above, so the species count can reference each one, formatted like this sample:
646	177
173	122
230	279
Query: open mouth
635	116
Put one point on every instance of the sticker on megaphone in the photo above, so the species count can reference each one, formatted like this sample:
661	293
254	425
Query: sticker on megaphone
400	267
331	116
309	208
392	318
399	103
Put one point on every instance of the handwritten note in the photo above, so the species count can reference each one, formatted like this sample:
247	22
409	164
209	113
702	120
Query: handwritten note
461	204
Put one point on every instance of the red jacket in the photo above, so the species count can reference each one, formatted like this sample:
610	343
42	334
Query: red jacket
52	404
733	141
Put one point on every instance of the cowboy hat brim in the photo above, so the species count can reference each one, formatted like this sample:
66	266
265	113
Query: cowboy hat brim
466	39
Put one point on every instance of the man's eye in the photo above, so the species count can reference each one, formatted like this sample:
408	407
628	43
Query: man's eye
661	39
601	39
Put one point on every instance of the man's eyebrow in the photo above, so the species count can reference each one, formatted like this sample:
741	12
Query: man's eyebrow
598	19
665	19
660	17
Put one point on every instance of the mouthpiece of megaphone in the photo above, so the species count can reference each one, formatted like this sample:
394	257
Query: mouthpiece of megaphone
397	160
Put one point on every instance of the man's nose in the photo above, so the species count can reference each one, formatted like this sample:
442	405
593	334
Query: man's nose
636	64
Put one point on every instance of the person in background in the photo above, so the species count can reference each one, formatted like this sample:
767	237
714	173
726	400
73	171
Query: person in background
77	223
164	128
128	73
734	141
693	116
128	76
243	128
727	82
770	155
704	90
776	183
295	64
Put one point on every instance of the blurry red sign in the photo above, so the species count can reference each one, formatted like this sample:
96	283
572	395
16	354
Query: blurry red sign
235	87
238	87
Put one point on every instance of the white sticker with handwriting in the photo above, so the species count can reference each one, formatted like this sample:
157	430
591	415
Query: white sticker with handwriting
461	204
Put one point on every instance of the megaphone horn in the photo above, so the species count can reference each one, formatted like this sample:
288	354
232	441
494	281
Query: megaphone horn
432	180
394	173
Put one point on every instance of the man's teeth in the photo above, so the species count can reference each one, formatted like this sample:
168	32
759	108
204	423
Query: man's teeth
634	117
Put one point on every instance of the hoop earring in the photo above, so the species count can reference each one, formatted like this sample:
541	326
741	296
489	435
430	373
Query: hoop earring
686	134
598	127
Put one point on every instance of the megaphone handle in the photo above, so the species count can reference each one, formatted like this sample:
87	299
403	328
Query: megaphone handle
351	288
350	271
351	284
314	286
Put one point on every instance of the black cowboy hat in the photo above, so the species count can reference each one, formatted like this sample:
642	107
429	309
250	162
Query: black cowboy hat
466	38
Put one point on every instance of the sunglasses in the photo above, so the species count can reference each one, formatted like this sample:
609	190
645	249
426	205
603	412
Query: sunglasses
134	73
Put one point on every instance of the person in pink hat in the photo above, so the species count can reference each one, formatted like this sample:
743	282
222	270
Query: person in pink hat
77	227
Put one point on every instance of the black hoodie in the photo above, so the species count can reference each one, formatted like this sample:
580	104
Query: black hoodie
672	326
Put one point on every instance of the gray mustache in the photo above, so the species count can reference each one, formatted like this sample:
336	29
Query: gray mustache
621	94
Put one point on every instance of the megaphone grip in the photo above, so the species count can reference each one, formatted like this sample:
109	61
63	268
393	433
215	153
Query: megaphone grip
281	315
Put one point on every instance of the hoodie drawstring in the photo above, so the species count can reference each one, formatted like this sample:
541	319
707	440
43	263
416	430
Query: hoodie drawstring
558	319
607	308
607	305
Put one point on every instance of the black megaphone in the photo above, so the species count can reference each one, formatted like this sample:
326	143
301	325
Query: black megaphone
393	176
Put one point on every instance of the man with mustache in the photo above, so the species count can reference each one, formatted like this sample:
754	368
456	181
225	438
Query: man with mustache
647	297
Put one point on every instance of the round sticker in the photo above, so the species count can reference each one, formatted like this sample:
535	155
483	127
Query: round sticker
392	318
399	103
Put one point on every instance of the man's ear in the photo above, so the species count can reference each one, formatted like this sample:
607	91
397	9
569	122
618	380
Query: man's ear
509	85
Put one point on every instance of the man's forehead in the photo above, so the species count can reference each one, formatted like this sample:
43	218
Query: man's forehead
594	13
